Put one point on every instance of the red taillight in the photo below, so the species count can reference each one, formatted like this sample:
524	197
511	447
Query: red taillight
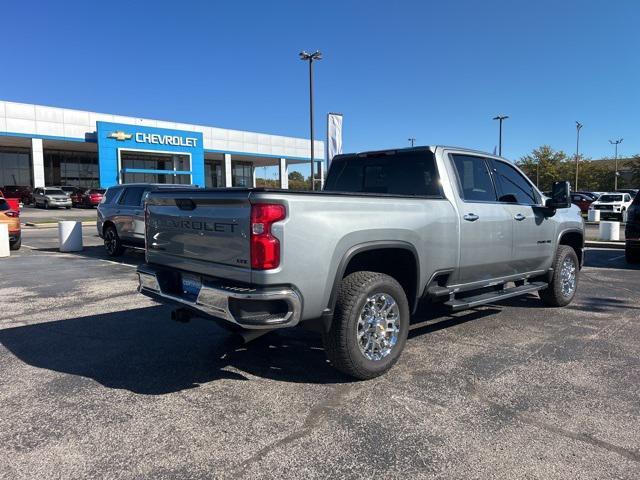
265	248
12	214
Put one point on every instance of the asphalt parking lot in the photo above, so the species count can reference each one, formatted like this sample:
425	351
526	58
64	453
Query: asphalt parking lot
96	381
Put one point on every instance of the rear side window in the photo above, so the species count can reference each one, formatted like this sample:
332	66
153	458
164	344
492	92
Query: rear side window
132	196
111	195
474	178
411	173
513	186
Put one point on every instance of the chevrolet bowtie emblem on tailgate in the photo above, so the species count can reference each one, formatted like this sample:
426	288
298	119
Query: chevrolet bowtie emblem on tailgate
120	136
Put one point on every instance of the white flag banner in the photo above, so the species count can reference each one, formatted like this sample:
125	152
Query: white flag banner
334	136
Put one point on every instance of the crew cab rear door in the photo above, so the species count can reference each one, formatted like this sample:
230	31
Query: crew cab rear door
486	233
533	232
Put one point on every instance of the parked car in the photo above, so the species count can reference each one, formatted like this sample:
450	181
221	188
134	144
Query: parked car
21	192
592	195
88	198
612	204
12	219
68	189
631	191
443	224
582	200
632	232
121	215
48	197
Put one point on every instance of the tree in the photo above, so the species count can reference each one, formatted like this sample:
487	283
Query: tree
296	177
545	165
298	182
634	166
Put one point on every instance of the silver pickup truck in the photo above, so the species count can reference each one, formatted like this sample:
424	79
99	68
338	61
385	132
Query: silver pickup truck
390	229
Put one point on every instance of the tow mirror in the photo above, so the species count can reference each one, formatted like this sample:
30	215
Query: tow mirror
560	196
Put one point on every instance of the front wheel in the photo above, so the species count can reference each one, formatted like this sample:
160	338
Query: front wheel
370	325
564	281
16	245
112	243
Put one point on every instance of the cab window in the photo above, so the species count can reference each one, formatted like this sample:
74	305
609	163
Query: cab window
132	196
513	187
474	178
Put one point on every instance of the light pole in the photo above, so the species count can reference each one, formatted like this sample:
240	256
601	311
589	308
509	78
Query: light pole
578	127
615	179
411	141
310	57
500	118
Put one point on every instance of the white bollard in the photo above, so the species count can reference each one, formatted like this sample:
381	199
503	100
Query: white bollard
610	231
4	240
70	236
593	215
624	216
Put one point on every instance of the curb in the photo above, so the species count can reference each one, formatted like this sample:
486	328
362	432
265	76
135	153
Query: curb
599	244
53	224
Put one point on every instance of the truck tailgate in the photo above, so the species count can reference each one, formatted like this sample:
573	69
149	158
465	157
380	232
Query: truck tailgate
203	231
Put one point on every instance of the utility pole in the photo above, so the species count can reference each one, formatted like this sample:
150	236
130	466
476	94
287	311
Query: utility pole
615	179
578	127
310	57
411	140
500	118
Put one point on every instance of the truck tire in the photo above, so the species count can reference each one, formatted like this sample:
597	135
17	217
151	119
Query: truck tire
370	325
632	256
112	242
16	245
564	281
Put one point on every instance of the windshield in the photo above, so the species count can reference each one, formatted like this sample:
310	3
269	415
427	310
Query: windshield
610	198
411	172
96	192
53	191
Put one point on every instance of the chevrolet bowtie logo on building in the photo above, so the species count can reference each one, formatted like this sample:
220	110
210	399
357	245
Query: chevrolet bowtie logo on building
120	135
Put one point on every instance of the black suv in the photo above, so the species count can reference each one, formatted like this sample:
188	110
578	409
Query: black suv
632	232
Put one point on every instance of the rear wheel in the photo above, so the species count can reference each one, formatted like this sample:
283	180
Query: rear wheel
370	325
112	242
564	282
16	245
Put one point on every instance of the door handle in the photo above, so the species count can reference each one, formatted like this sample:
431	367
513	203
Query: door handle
519	217
471	217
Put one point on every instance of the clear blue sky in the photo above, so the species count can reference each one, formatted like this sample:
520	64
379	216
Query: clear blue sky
437	71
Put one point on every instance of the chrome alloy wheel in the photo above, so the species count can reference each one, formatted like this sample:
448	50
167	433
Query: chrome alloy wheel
378	326
568	277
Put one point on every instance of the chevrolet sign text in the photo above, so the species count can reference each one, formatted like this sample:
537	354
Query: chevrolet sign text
175	140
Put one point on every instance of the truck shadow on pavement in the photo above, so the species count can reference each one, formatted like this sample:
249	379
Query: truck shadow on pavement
131	257
144	352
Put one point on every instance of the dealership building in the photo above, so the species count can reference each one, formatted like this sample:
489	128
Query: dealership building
47	146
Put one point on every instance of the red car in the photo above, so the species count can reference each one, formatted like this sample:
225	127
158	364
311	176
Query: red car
582	201
23	193
87	198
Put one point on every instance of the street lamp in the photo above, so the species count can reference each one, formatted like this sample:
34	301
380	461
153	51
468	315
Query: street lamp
615	179
500	118
578	127
310	57
411	141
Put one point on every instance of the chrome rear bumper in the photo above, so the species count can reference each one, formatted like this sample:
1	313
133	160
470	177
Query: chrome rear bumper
235	304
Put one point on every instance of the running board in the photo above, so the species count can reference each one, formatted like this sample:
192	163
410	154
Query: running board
491	297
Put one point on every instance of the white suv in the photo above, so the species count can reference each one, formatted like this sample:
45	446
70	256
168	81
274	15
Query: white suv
612	204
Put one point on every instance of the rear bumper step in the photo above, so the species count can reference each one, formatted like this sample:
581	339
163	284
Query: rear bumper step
491	297
247	307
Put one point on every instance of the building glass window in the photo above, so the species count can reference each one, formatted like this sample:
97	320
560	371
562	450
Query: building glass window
15	166
77	169
213	173
242	174
153	163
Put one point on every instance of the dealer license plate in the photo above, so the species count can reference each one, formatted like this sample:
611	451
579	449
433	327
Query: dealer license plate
191	285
